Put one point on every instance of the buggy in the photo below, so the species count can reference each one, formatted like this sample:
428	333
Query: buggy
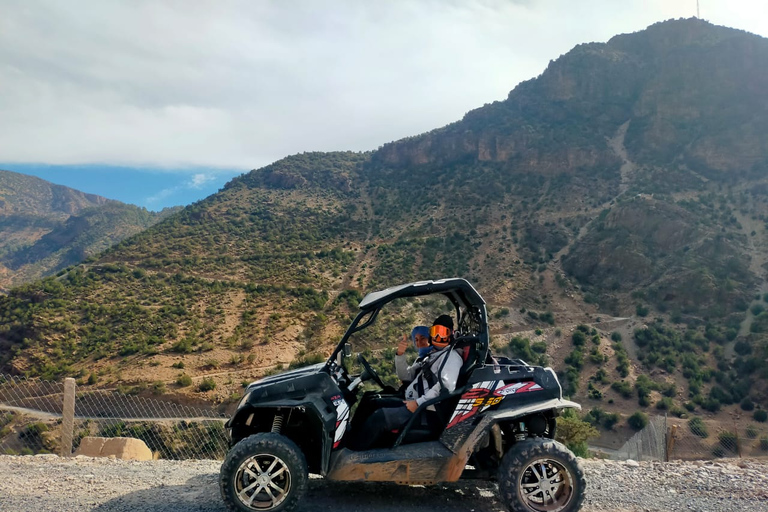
499	423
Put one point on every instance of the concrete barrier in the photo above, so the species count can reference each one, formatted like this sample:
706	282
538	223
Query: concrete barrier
126	448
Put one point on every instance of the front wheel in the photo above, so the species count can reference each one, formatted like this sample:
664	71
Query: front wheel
264	472
541	475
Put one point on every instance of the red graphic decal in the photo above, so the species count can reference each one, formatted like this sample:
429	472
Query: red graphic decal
476	393
462	417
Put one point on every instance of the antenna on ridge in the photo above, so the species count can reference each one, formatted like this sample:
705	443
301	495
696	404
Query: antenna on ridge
697	9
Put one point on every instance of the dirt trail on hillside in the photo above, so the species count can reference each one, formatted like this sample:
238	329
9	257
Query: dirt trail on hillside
627	171
628	167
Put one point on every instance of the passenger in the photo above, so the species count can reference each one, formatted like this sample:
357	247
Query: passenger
420	337
438	371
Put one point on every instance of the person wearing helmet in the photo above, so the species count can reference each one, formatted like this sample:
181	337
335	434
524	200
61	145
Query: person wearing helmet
420	338
438	371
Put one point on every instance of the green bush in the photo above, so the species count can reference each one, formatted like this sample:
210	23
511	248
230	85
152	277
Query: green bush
747	404
207	384
638	421
760	415
764	444
698	428
623	387
184	380
616	336
751	432
728	440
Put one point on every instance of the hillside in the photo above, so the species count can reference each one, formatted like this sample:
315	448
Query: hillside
46	227
612	211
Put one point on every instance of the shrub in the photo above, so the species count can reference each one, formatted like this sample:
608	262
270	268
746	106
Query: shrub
610	420
760	415
751	432
579	338
574	433
178	365
641	310
207	384
747	404
184	380
718	451
638	421
728	440
764	444
616	336
698	428
624	388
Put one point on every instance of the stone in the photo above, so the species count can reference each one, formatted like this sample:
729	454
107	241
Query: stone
126	448
632	463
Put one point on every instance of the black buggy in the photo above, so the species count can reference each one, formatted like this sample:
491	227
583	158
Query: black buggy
499	422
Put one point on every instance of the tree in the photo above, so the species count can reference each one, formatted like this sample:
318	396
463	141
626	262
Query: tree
574	433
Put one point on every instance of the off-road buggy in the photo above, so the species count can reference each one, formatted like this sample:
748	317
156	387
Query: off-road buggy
499	422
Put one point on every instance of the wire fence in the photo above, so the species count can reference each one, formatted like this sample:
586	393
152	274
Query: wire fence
31	421
695	438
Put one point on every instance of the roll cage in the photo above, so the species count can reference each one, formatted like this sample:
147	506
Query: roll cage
470	309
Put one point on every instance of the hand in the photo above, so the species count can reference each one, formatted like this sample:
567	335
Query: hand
412	405
402	345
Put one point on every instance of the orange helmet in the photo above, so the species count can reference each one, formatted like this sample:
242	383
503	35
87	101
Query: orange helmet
441	332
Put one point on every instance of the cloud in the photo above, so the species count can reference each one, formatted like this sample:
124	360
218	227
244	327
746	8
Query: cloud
199	180
240	84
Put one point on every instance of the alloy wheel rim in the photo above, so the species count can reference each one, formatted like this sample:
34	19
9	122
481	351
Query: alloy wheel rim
263	481
545	485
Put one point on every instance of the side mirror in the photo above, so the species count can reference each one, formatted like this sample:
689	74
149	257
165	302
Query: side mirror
347	349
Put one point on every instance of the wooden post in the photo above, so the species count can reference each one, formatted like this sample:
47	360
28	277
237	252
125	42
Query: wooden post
68	418
671	431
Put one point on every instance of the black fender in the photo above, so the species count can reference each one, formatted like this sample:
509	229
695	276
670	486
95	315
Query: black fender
310	423
467	444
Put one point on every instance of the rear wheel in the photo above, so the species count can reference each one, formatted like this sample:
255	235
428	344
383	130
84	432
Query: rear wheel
263	472
541	475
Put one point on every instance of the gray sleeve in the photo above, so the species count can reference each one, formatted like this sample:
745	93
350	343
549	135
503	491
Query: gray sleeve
404	372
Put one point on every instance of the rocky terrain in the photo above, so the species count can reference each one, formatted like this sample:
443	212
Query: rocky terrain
46	483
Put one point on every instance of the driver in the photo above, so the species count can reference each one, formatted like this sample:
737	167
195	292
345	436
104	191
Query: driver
438	371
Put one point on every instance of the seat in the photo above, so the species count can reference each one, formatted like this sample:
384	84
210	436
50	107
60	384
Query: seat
467	347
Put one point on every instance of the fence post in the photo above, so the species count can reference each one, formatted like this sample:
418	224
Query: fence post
68	417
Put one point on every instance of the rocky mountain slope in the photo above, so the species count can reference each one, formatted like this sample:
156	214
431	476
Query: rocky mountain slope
46	227
612	211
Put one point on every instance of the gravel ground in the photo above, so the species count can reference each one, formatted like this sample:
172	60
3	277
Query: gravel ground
46	483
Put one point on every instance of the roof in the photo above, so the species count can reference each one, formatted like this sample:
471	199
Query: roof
459	288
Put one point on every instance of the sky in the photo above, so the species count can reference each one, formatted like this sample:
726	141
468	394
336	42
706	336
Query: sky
161	102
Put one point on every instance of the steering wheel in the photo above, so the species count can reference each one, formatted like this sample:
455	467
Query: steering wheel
369	372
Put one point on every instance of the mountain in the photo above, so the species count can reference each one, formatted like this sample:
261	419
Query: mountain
46	227
612	211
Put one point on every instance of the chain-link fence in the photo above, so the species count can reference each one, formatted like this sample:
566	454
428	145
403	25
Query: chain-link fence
31	421
696	438
665	439
648	444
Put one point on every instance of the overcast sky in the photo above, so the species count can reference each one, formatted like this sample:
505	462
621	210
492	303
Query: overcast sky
213	87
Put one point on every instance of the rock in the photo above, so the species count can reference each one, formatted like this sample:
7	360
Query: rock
126	448
632	463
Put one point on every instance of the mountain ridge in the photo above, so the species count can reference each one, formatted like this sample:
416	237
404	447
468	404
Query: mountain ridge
600	189
45	227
